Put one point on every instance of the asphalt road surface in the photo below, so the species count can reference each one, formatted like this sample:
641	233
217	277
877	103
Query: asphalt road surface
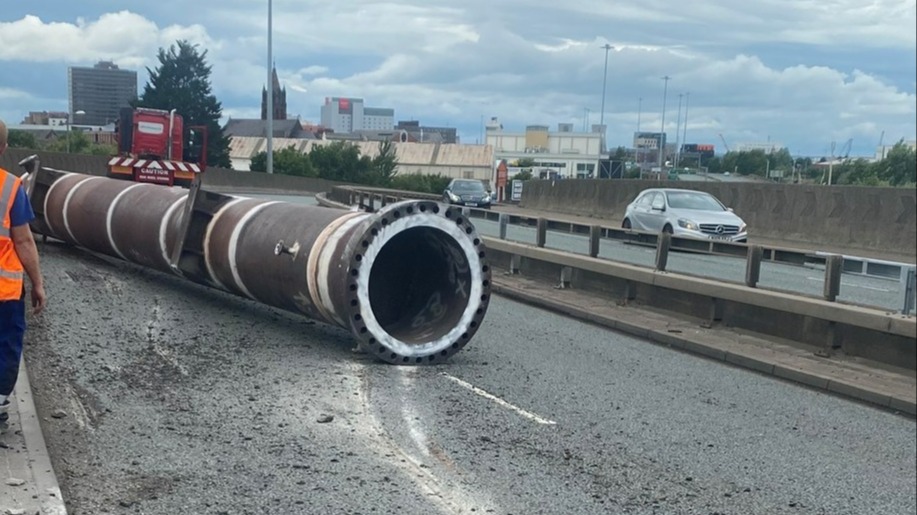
159	396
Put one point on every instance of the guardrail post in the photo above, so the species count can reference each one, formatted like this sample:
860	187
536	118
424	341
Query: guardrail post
908	289
834	265
715	313
753	265
595	239
630	291
663	243
504	221
541	232
514	262
832	340
566	273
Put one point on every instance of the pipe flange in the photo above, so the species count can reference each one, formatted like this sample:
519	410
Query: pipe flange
440	314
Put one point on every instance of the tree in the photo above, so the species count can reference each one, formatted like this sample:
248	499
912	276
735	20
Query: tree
79	144
22	139
858	172
524	175
384	165
287	161
435	184
340	161
182	82
75	142
781	160
744	162
899	167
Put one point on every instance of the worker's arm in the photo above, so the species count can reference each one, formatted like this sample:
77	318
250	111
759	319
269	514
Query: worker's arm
28	255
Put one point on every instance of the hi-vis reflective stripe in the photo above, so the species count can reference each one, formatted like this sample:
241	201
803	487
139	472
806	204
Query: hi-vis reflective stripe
17	276
6	202
131	162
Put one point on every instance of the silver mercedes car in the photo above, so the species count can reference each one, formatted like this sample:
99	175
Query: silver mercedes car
686	213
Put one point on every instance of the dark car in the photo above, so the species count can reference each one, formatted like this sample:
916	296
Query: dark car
467	192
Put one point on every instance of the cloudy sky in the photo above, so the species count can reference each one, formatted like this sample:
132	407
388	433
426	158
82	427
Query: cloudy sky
804	73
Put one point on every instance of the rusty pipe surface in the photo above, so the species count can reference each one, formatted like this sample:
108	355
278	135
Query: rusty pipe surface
410	281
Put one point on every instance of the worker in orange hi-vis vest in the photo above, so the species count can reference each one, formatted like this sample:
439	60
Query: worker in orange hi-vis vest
18	257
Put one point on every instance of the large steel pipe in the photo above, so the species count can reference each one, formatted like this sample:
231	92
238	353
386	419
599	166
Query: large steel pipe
410	281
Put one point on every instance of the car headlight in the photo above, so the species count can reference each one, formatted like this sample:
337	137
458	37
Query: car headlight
687	224
742	228
453	197
486	197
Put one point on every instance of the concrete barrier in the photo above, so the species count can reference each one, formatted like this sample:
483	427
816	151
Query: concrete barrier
849	216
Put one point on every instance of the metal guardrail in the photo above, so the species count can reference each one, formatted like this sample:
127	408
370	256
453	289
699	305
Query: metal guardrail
834	264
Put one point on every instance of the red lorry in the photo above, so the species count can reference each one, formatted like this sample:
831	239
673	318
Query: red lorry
151	148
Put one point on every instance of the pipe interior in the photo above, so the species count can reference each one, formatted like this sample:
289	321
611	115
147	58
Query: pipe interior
419	285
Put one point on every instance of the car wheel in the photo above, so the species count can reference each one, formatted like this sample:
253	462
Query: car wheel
626	224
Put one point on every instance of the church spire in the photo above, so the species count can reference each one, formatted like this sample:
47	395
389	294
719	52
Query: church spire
279	98
275	80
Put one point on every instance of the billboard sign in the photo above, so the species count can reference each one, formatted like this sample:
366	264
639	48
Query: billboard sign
516	194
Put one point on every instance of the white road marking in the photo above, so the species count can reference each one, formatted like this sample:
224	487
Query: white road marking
527	414
409	414
450	494
822	279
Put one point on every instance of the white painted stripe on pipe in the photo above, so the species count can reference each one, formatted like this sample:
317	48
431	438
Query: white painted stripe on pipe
317	275
478	391
324	262
56	231
234	245
110	216
67	206
207	235
164	226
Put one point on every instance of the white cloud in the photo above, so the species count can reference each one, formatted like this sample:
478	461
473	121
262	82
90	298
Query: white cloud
7	94
792	70
127	38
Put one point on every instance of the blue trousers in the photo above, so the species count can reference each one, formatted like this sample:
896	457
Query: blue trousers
12	329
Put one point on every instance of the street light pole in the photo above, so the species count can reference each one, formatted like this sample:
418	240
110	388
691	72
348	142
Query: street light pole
678	130
639	139
684	129
662	129
607	47
270	89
